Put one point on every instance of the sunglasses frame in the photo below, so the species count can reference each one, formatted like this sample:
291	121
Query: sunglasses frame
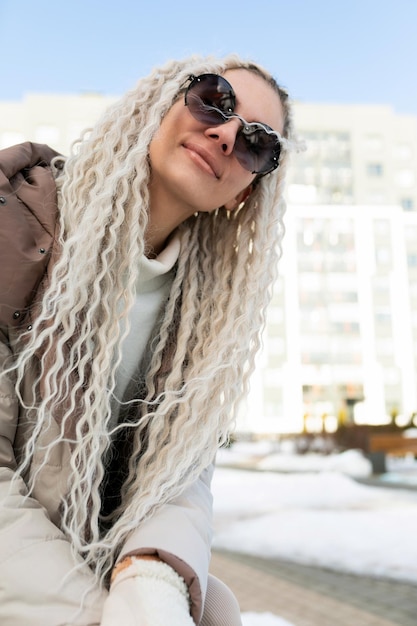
221	116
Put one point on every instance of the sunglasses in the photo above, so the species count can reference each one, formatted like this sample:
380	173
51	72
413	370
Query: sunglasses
211	100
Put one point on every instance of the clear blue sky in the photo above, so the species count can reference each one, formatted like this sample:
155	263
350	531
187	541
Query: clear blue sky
362	51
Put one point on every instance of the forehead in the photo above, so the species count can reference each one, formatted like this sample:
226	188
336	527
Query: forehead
256	100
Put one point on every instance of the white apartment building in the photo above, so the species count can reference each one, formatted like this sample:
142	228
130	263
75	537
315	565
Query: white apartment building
341	337
357	154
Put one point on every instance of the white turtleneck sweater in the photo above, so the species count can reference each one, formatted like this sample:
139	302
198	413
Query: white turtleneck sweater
152	290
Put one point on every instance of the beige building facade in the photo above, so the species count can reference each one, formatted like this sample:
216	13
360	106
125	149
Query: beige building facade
341	338
57	120
357	154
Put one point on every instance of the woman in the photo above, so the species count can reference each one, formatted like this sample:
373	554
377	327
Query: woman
128	338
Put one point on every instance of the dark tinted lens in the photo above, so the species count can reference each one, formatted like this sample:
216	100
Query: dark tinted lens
206	91
215	91
203	112
256	150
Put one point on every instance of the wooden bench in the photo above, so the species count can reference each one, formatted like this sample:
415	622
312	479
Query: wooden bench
392	443
380	444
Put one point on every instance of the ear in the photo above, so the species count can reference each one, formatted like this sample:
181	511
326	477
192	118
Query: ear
241	197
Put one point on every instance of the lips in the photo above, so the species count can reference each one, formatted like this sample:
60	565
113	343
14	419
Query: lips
205	156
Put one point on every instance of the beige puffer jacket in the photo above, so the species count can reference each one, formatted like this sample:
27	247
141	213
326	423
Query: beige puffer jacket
38	584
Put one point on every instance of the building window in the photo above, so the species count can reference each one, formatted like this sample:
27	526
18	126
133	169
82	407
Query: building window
407	204
375	170
412	260
383	256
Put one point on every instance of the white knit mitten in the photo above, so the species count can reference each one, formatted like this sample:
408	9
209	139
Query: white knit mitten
147	593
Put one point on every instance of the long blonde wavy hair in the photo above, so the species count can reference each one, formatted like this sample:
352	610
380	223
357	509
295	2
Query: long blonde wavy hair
203	354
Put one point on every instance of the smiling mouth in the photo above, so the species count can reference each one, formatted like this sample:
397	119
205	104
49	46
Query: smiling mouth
202	159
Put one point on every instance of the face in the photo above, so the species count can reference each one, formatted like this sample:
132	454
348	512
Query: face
193	165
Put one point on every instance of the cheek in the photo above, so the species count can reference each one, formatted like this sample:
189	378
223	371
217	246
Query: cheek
166	135
172	120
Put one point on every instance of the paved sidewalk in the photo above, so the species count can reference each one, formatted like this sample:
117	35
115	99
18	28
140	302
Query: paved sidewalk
309	596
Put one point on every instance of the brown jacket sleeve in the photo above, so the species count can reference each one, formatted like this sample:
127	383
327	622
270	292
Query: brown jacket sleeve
28	212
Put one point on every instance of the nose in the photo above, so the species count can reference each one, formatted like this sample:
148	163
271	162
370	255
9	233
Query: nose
225	134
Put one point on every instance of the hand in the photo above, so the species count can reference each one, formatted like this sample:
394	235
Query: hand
147	593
